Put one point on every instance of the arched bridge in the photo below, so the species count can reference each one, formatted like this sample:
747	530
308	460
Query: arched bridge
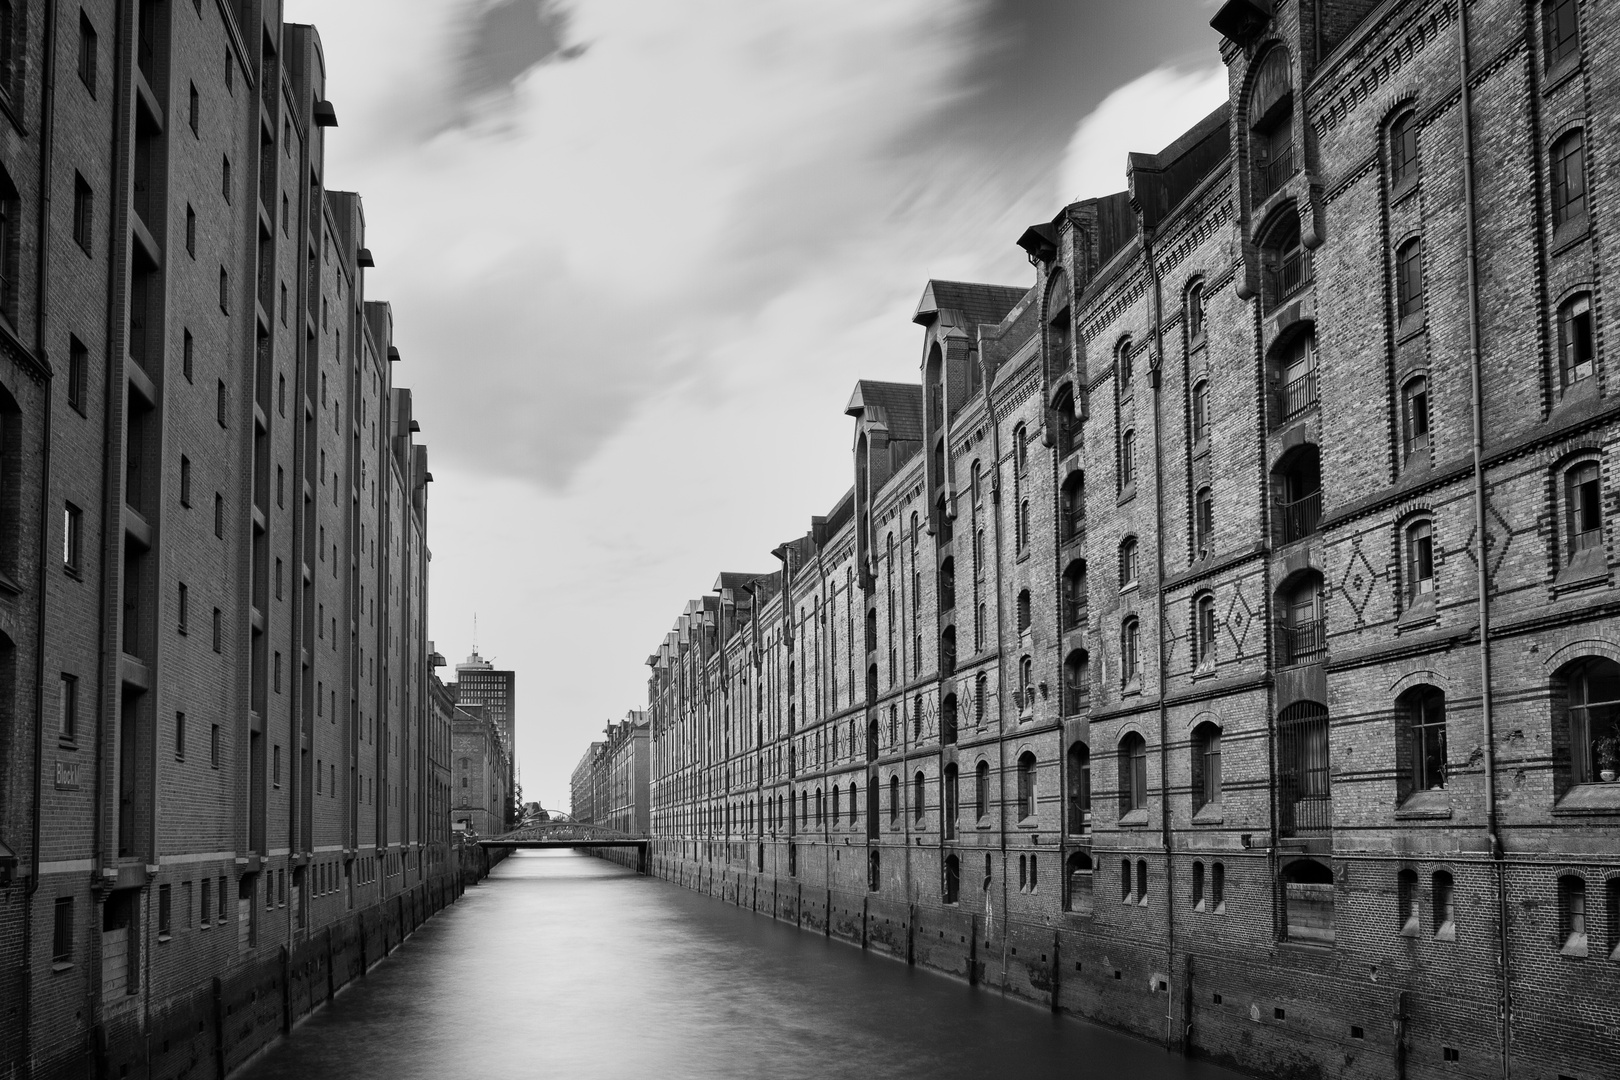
570	834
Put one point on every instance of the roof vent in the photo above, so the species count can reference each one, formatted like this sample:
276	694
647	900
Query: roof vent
363	257
393	355
325	115
1240	20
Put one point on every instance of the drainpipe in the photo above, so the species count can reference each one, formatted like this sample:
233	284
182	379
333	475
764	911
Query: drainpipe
47	105
1155	373
1482	573
1001	673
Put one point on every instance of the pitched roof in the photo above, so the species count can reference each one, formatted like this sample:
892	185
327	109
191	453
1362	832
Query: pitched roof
899	406
975	302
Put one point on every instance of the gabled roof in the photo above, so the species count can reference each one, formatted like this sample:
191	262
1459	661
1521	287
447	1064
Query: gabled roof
975	302
899	406
732	579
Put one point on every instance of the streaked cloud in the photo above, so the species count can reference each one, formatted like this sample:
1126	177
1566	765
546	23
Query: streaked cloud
1144	115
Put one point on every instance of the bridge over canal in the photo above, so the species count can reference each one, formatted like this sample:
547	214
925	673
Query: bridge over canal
571	834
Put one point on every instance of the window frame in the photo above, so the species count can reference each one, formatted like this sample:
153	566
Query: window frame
1417	539
1405	155
1567	187
1415	413
1410	301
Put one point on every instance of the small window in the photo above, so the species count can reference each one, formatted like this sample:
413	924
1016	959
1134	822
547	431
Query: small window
87	53
1561	31
67	708
1577	355
219	629
1197	885
62	931
919	797
1195	312
1127	459
1403	150
185	481
1123	365
1130	640
224	290
222	405
180	755
1569	179
72	538
1406	903
230	88
213	760
194	109
1415	415
1023	611
1409	281
1583	498
1217	886
225	178
84	214
1206	766
188	349
1572	915
1204	630
219	515
1420	562
1445	907
981	790
1200	410
1127	562
1026	786
183	604
1133	773
191	232
1203	521
1020	449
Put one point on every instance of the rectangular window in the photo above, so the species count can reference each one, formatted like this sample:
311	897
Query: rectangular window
191	232
225	178
165	913
1561	30
72	537
62	932
187	351
184	601
224	290
1576	354
230	72
87	53
194	112
213	760
276	674
205	905
1409	281
180	744
67	707
1420	559
1569	179
1415	414
1584	499
78	373
222	405
275	762
218	628
84	214
219	515
278	578
185	480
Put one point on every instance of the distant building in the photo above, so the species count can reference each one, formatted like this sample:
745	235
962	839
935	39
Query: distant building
481	771
584	785
627	776
479	683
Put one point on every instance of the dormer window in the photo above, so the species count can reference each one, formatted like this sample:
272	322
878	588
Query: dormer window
1271	127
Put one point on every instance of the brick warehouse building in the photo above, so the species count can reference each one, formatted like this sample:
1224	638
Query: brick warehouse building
1220	640
221	783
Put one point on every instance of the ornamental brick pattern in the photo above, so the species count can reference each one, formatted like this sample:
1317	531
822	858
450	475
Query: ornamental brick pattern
1144	668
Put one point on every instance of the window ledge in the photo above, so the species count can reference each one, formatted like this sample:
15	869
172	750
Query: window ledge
1411	326
1598	798
1204	670
1560	73
1585	570
1201	447
1400	191
1127	493
1136	819
62	965
1420	614
1208	814
1448	932
1424	805
1570	233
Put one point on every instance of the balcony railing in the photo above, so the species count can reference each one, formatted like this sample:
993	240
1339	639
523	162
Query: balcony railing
1300	517
1304	791
1270	176
1288	276
1298	395
1301	643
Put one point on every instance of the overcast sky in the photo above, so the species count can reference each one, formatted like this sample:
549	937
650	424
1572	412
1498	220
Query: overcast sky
639	251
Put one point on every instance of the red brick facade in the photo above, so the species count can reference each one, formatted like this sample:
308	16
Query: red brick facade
1145	668
216	746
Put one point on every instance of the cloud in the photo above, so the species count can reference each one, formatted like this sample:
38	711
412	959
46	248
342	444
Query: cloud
1145	115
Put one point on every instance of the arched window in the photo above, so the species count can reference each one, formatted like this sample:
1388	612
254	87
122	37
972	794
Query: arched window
953	879
1126	882
1206	766
1197	885
1127	459
1577	354
1271	137
1298	483
837	806
10	244
1026	684
1415	415
1074	594
981	790
1294	361
1445	906
1403	150
981	690
854	804
874	876
1420	740
894	799
951	802
947	651
1586	723
1420	562
1124	366
947	584
1020	449
1078	869
1409	281
821	810
1406	903
1568	168
1130	644
1560	31
916	717
1204	630
1200	412
1194	303
1572	915
1023	611
1127	562
1203	521
1023	524
1217	886
1304	797
919	797
1026	786
1076	682
1308	901
1583	509
1133	782
947	720
1285	265
1079	794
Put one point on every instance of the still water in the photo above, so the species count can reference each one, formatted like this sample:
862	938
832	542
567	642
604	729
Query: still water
561	965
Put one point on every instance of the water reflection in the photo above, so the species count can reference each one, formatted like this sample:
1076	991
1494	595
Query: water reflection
566	966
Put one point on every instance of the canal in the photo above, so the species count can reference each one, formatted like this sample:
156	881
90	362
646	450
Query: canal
561	965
